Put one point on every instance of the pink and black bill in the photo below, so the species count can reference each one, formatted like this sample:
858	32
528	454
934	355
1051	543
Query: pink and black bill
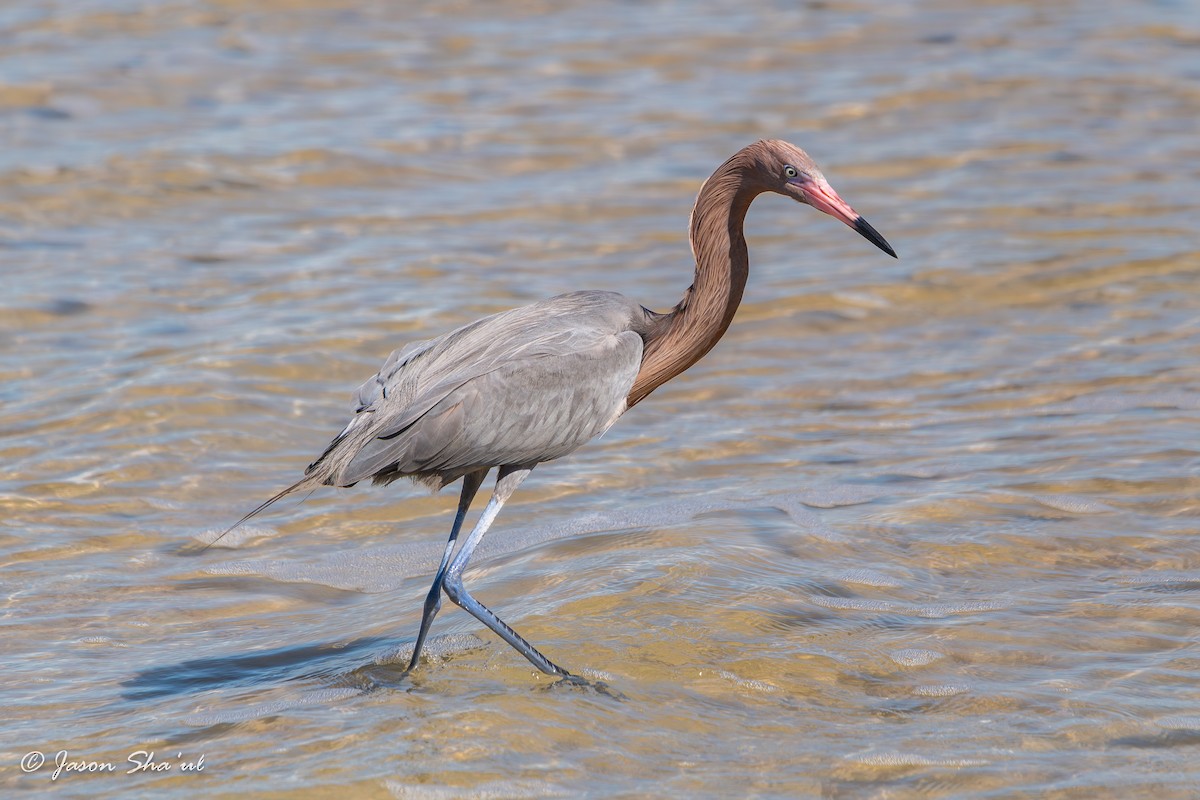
821	196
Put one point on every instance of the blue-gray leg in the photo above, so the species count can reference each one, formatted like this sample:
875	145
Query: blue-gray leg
507	481
433	601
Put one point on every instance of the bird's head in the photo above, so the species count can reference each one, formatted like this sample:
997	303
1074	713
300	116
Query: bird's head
787	170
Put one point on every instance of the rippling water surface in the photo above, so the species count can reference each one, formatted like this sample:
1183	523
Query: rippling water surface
915	528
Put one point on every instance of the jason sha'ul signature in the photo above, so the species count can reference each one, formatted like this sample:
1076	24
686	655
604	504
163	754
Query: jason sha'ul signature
140	761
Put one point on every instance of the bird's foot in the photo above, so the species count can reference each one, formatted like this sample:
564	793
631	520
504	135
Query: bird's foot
567	681
377	677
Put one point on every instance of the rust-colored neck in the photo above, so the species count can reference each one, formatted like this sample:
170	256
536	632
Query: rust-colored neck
682	336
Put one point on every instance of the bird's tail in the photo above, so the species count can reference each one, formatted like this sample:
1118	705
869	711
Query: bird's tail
304	483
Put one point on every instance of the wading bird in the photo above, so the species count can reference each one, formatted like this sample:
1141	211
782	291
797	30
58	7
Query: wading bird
533	384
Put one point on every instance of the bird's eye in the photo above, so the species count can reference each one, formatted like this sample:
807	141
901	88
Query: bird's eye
789	171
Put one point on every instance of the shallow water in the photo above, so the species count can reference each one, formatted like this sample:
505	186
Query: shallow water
916	528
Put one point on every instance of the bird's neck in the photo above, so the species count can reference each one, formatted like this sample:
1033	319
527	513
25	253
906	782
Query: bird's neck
682	336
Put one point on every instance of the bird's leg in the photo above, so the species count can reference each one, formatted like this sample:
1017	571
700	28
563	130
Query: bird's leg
507	481
433	601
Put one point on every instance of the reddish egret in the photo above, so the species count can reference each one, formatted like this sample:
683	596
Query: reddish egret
533	384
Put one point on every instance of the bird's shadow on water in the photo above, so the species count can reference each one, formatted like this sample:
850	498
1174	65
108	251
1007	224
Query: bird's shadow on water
264	684
324	672
312	662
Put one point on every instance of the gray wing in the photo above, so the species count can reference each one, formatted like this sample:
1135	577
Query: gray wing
522	387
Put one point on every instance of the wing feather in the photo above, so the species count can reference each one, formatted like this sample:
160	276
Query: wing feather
525	386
